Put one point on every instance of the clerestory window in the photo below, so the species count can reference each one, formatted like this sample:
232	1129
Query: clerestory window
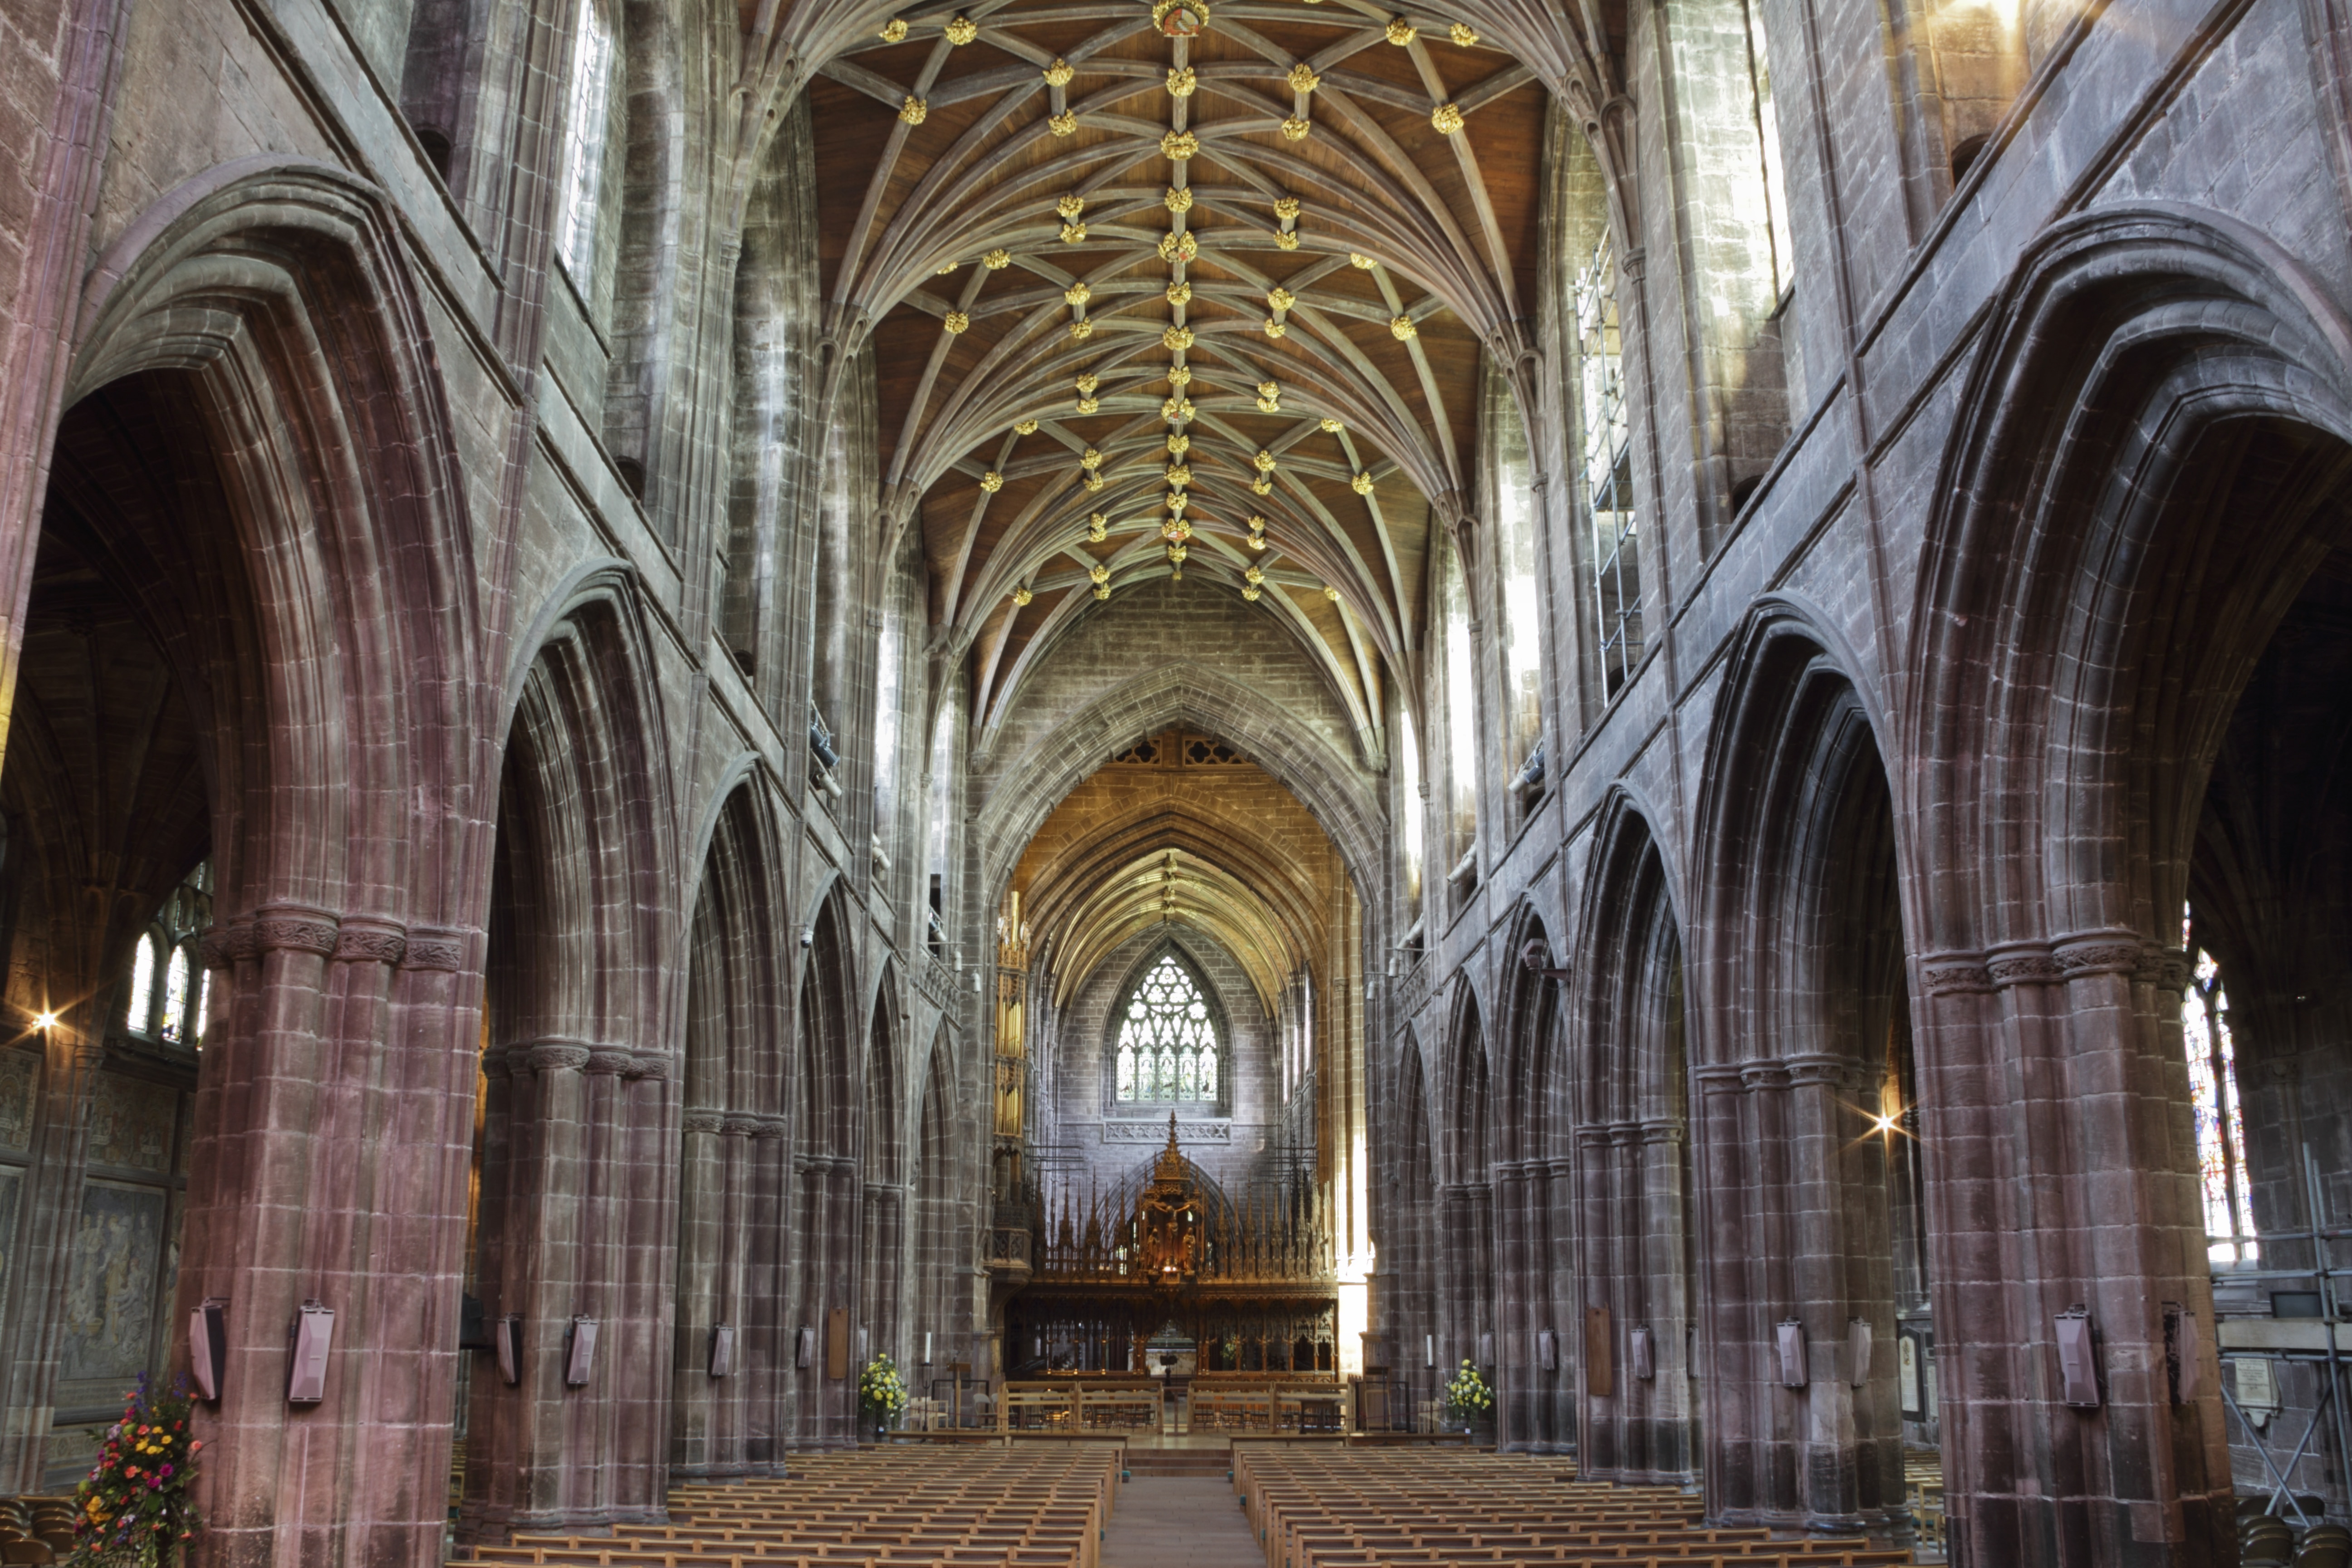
1167	1042
583	143
1607	461
1767	135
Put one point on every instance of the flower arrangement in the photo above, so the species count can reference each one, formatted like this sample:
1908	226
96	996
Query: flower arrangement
1467	1395
882	1390
135	1507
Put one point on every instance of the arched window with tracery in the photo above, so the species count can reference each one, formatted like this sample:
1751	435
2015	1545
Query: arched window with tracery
175	995
142	985
1166	1051
2221	1180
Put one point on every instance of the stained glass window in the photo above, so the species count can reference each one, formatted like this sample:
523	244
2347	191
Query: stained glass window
1167	1041
204	1006
2220	1120
176	994
142	985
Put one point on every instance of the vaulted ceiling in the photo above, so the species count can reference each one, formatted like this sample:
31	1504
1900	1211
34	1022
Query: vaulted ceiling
1182	831
1193	287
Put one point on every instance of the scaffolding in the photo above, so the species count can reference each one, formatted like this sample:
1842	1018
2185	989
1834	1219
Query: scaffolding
2314	1335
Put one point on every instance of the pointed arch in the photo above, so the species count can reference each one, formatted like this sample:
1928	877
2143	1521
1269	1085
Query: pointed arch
1464	1152
310	578
1636	1229
583	1073
734	1156
2087	615
1808	1022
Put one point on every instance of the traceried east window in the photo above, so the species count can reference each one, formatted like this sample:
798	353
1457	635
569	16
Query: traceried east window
1606	458
2230	1235
584	141
1167	1050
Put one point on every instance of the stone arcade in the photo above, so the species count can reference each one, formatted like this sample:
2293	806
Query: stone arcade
1652	695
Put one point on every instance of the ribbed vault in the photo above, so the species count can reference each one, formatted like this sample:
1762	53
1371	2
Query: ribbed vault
1209	304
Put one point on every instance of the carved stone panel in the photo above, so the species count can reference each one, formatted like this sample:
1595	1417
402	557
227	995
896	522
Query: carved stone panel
130	1124
111	1293
20	1076
1157	1132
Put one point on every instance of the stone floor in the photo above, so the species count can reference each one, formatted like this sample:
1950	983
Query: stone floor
1180	1522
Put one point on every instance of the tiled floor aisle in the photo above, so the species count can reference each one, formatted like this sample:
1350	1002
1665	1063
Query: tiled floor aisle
1176	1522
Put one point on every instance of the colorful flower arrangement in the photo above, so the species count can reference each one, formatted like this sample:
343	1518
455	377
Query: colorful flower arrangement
135	1507
1467	1395
882	1390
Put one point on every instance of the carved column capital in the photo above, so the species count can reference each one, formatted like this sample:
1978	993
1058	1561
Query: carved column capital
1955	974
2023	964
223	946
2101	953
366	940
290	928
442	950
552	1055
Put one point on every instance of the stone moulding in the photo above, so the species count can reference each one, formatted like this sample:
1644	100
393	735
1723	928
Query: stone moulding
1157	1132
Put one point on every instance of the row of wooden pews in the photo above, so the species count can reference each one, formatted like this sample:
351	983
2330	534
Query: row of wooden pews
34	1530
903	1507
1395	1508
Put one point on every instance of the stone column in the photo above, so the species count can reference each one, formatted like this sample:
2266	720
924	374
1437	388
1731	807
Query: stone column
886	1256
1668	1438
1601	1449
2060	1059
332	1135
706	1430
1731	1361
1513	1360
843	1214
1566	1313
762	1222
